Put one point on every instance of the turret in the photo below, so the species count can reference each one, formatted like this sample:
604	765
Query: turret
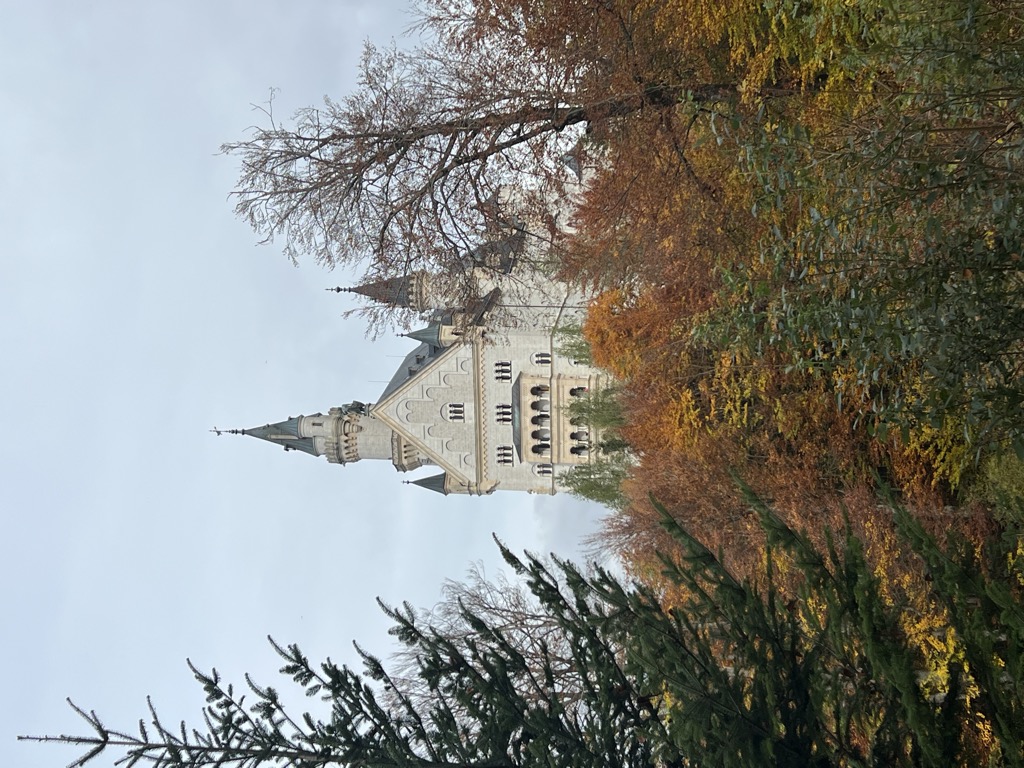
343	435
415	291
444	485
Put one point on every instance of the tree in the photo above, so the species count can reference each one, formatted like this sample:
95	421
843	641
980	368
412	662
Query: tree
410	170
478	128
600	480
804	664
892	261
504	605
488	706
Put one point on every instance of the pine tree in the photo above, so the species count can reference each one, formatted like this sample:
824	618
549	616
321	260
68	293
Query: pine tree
803	664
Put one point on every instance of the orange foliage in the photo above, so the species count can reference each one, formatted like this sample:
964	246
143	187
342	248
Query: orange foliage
696	416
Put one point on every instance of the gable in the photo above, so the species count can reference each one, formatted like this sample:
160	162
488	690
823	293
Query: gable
434	409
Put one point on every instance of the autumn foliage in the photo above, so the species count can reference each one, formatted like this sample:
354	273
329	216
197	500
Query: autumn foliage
808	266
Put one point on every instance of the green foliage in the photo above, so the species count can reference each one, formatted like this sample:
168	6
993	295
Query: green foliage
571	343
893	259
803	664
1002	486
986	611
886	256
600	480
600	410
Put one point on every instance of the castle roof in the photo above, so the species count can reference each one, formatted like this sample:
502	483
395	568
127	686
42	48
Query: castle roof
393	291
283	433
430	335
433	483
415	360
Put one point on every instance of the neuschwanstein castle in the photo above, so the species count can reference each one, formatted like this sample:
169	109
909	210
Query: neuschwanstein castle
485	394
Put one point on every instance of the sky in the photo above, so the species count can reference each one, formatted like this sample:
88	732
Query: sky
137	313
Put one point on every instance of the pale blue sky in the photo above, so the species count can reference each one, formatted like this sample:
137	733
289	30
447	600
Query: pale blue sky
137	313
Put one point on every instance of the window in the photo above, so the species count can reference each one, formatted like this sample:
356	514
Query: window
456	412
504	454
544	470
503	413
318	423
578	391
503	371
542	358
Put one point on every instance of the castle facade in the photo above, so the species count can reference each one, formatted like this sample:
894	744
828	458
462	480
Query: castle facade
485	394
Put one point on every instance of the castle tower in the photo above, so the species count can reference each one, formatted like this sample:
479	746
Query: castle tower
344	435
415	291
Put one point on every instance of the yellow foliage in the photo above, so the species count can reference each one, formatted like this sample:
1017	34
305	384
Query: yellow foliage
756	45
924	622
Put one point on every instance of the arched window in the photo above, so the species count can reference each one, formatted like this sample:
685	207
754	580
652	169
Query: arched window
456	411
544	470
541	358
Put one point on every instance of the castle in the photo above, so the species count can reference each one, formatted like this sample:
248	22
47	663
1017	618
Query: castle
485	394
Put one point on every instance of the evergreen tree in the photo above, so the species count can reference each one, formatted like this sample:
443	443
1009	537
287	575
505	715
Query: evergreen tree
804	664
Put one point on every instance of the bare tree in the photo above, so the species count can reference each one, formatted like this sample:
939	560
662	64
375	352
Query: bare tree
472	609
414	168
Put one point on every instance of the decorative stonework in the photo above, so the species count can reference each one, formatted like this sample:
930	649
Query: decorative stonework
484	395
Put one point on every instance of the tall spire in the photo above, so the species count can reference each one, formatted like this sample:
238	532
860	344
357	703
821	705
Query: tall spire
430	335
392	291
283	433
434	483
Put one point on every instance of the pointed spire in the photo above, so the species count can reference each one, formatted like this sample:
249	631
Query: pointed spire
283	433
434	483
393	291
430	335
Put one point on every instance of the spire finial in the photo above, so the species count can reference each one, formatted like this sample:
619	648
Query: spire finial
338	289
219	432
